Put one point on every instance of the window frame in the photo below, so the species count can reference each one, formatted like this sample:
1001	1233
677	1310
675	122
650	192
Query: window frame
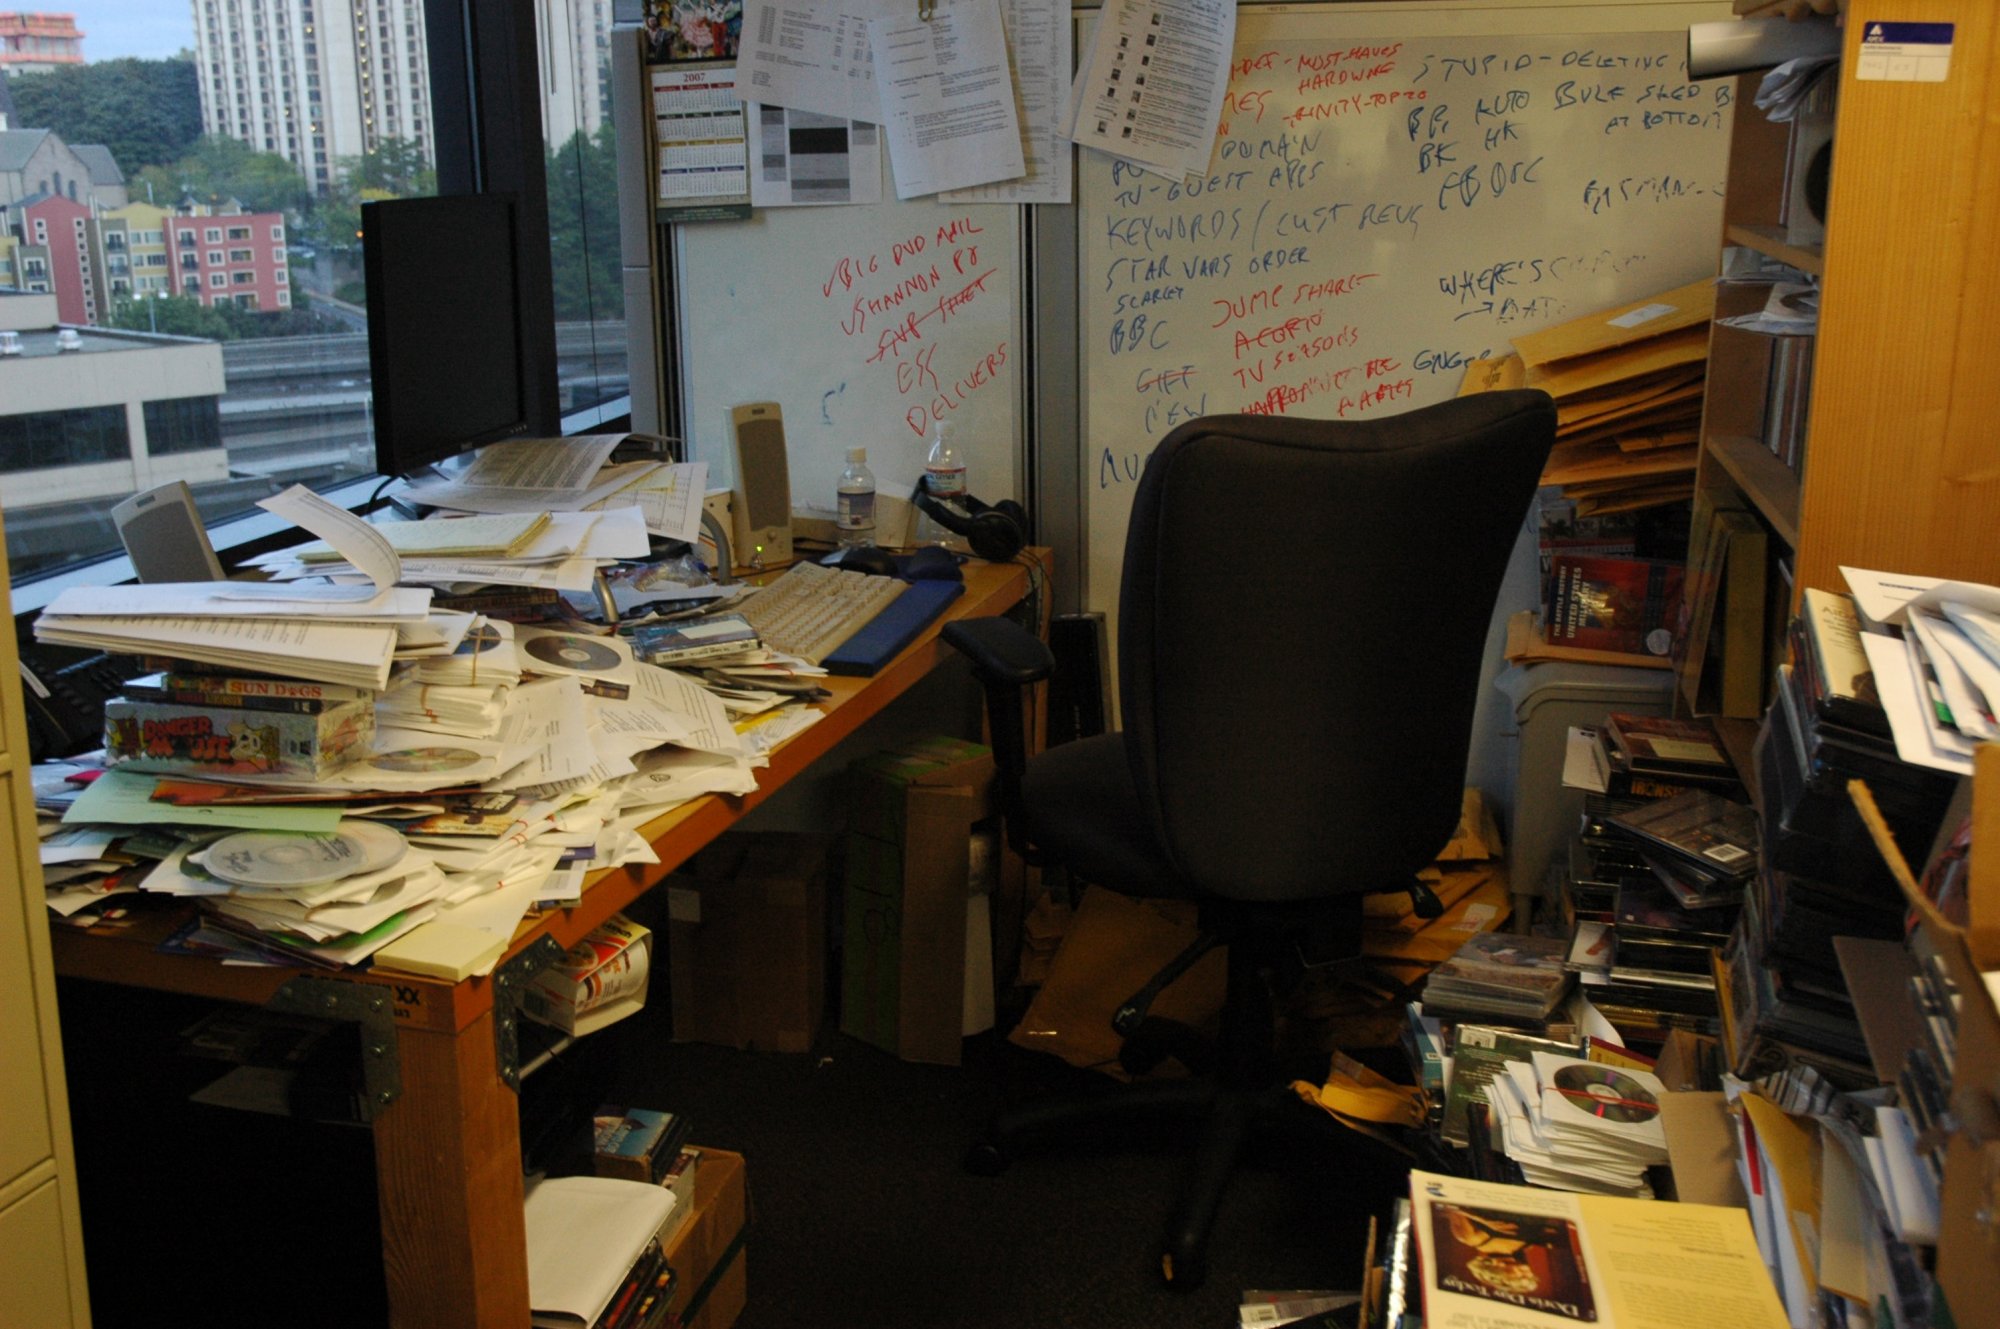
485	111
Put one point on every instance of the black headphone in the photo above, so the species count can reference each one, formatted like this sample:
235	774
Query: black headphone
996	533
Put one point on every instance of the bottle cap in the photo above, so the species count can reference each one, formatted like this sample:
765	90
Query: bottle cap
857	454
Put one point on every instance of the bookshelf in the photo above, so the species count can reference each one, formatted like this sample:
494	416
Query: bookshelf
1897	470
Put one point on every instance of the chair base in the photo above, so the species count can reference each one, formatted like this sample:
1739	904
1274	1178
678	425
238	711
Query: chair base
1226	1120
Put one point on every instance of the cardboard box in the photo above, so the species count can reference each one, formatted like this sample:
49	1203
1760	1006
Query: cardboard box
706	1252
904	894
747	941
601	979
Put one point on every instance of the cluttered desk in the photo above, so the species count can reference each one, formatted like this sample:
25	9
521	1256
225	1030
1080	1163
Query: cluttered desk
438	982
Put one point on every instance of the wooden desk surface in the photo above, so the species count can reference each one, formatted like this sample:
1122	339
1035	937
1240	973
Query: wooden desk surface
127	952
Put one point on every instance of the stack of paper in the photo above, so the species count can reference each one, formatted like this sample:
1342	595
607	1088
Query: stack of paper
556	475
1934	647
331	634
556	550
1628	390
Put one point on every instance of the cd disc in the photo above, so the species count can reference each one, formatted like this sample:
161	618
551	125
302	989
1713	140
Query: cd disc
303	858
579	653
425	760
481	638
1604	1092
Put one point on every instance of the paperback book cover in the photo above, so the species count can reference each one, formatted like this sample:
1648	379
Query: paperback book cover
1496	1256
1613	604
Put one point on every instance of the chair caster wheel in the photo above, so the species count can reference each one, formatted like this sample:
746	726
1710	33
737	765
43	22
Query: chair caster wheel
1184	1272
985	1159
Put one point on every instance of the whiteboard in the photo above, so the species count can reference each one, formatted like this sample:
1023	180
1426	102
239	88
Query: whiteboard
865	324
1397	189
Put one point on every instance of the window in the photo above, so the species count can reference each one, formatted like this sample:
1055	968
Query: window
183	424
45	440
319	392
242	278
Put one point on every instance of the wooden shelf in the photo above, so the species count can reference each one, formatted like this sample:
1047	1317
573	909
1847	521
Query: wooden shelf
1770	241
1771	486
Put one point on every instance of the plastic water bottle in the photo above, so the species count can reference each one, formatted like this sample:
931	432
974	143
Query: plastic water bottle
856	507
944	477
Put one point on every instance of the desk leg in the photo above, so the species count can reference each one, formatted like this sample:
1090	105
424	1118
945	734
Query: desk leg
448	1170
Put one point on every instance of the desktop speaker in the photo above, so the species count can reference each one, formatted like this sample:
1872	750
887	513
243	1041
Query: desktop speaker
164	537
761	505
995	533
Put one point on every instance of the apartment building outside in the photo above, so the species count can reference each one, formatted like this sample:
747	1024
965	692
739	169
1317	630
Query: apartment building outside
38	43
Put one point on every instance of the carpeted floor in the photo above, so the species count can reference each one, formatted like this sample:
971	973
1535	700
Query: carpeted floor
862	1216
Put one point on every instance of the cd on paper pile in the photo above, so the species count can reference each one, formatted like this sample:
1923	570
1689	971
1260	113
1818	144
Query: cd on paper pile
304	858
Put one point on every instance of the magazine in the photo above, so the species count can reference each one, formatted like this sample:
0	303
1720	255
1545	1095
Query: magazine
1496	1256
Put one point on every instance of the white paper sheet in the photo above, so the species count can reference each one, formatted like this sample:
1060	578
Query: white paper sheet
810	56
947	98
1151	90
1039	45
804	159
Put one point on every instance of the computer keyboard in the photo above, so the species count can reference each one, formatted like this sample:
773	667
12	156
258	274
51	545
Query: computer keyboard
809	609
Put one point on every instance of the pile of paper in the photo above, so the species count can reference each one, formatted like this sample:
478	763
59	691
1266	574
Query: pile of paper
506	760
329	633
1934	647
1628	390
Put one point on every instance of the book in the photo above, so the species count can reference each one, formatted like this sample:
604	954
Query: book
1838	680
1613	604
585	1237
228	740
1745	578
277	694
1498	1256
684	641
638	1144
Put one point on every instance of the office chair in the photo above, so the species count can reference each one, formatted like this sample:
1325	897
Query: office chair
1302	614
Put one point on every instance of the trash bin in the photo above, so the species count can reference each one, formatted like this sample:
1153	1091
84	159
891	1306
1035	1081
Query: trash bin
1549	698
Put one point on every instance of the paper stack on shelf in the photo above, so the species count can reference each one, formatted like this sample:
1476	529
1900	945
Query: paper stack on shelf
1627	384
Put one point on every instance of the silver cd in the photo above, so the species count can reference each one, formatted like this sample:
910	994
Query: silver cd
576	653
304	858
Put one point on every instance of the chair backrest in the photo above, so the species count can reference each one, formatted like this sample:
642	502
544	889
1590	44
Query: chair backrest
1302	619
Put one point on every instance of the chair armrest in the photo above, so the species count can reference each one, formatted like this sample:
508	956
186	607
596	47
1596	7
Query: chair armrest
1001	651
1006	658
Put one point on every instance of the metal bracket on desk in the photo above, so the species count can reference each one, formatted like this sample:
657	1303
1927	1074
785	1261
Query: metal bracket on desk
365	1004
510	980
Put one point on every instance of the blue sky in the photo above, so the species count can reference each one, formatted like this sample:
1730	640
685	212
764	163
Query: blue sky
150	29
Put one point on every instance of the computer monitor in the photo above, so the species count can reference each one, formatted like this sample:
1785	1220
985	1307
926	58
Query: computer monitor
451	356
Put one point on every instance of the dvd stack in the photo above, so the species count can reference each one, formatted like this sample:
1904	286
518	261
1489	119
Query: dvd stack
1786	1001
1656	874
